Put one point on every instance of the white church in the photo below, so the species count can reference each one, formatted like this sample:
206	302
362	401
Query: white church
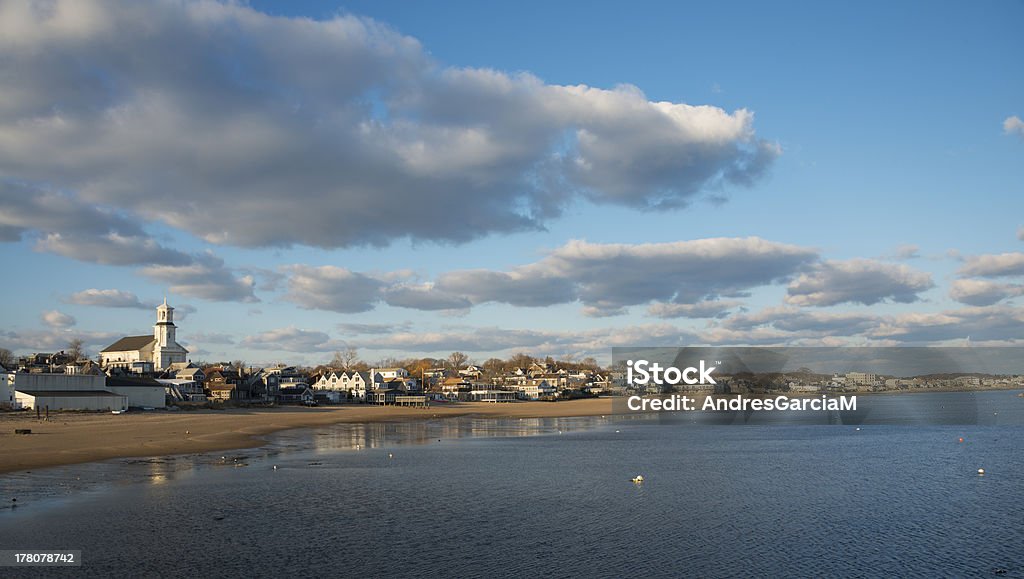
147	353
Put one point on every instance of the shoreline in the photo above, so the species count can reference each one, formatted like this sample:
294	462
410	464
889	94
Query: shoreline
76	438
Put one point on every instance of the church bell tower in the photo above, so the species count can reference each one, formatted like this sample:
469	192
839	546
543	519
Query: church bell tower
164	329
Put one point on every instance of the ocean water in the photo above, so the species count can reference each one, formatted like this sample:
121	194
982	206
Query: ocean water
553	497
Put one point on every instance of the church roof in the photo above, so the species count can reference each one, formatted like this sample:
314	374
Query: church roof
129	344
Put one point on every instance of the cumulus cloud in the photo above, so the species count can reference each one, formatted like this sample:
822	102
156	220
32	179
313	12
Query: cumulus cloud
423	297
800	323
561	343
292	339
978	292
332	288
788	325
52	340
56	319
108	298
609	277
1013	126
230	118
206	277
857	281
605	278
67	226
997	323
994	265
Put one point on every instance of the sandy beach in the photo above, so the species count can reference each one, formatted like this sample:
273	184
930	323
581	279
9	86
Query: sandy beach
71	438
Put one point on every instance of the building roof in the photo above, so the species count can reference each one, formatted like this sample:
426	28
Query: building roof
129	344
67	393
123	381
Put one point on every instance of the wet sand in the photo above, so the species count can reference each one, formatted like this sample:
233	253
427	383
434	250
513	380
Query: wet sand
72	438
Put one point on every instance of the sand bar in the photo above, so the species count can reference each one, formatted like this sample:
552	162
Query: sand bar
72	438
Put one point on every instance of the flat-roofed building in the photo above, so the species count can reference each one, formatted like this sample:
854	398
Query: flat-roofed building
70	400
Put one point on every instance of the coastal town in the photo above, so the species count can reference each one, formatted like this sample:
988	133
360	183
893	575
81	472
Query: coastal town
153	371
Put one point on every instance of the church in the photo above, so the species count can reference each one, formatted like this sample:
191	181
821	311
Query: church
147	353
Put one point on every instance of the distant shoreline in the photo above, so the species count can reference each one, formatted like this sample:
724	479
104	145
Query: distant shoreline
75	438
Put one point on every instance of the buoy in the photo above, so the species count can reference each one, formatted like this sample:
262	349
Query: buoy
616	432
638	479
961	439
981	472
391	455
275	467
858	429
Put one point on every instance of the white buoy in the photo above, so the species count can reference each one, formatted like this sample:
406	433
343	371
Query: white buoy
275	467
638	479
616	432
858	429
981	472
391	455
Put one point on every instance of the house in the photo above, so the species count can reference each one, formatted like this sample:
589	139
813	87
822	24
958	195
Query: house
147	353
186	371
382	396
536	389
300	394
472	372
226	383
492	396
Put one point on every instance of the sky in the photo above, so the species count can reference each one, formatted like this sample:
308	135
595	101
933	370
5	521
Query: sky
415	178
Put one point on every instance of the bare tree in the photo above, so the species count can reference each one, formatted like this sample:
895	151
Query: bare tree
76	349
345	359
457	361
6	359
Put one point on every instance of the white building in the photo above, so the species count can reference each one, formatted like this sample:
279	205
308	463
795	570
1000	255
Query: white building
59	392
70	400
161	350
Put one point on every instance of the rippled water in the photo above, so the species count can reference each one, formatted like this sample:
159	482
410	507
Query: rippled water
469	497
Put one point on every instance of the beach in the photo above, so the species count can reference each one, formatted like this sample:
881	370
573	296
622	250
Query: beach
72	438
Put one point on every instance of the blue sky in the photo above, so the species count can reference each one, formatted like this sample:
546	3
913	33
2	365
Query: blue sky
416	178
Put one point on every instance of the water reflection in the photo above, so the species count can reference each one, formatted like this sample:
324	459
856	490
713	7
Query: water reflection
50	487
343	437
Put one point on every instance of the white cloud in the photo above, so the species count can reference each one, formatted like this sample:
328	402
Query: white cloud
52	340
977	292
206	278
605	278
861	281
565	344
994	265
332	288
108	298
231	118
1013	126
292	339
57	320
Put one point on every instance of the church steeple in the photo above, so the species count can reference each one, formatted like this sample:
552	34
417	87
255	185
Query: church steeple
164	329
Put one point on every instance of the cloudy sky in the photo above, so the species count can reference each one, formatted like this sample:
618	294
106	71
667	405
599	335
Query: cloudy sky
555	178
